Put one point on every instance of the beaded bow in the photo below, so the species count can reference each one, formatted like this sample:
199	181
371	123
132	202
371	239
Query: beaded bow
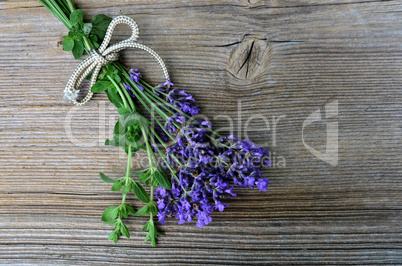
99	58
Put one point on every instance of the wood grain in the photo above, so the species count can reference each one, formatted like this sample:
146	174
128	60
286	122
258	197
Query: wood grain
241	59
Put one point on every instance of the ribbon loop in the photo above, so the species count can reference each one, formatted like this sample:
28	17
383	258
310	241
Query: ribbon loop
99	58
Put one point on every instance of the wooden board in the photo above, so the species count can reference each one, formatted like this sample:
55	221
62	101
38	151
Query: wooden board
267	65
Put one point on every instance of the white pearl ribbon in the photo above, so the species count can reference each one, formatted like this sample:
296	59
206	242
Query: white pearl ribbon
102	56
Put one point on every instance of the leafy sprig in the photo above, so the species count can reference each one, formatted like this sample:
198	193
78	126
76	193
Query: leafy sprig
113	215
80	33
132	131
82	36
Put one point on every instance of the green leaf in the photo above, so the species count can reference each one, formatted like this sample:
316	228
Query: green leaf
100	24
78	49
68	43
115	235
94	40
153	209
162	180
123	110
144	177
140	172
131	119
127	132
73	35
87	28
127	188
77	17
114	98
123	210
147	238
153	234
121	141
144	210
146	227
117	78
109	69
117	186
111	235
116	238
107	179
130	209
110	214
153	241
124	231
140	192
101	85
112	142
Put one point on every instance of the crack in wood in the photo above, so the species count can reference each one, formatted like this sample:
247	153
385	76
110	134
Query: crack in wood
249	59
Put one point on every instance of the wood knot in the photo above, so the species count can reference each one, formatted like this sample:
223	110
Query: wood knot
249	59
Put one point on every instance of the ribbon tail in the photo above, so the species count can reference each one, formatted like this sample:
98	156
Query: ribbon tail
77	73
94	76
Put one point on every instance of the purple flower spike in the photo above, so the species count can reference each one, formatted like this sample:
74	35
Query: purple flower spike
209	168
134	75
220	206
206	167
262	184
128	88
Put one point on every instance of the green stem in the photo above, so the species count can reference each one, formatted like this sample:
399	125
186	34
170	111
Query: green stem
130	154
157	109
70	5
170	105
151	166
123	200
168	165
64	7
127	177
152	114
61	16
149	86
135	86
52	6
88	44
163	158
128	97
159	138
119	91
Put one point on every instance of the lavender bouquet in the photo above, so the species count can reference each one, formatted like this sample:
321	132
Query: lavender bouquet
192	169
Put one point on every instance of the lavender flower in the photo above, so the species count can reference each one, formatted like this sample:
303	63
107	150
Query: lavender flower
168	84
161	133
207	168
135	75
128	88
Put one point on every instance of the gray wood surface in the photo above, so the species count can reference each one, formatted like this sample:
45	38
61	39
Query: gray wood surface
242	59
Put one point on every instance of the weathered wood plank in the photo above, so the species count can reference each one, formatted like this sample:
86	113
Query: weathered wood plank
282	60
